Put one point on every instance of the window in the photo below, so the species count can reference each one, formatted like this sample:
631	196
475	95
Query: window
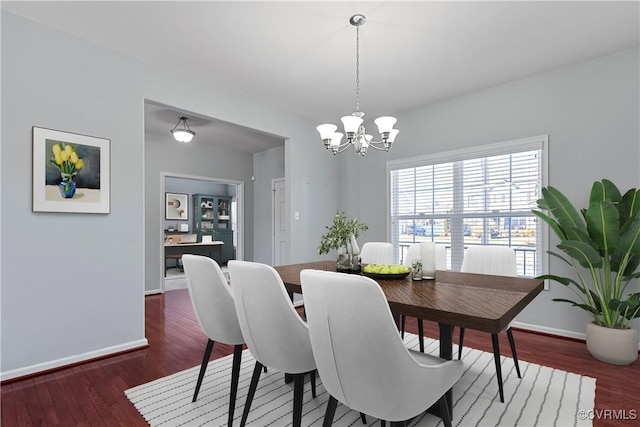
478	196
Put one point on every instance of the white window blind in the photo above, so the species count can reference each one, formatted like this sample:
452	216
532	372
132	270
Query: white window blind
481	196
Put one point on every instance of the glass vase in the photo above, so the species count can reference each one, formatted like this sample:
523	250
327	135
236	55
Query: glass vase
67	186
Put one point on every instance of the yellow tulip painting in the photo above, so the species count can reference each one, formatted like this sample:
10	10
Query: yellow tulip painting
70	172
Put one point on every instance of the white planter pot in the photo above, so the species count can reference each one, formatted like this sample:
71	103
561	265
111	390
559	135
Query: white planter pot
616	346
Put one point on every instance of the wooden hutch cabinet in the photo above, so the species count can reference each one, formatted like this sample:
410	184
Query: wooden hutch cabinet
212	217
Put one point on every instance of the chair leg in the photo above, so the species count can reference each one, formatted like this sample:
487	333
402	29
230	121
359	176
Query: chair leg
512	344
252	390
298	390
313	383
363	417
445	414
496	358
235	375
383	423
330	411
421	335
460	343
402	322
203	368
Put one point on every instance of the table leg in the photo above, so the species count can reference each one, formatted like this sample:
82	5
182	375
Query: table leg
446	352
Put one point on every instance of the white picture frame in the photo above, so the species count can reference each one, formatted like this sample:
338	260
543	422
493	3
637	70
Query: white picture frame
176	206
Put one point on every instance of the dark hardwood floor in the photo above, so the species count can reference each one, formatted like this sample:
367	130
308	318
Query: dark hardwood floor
92	394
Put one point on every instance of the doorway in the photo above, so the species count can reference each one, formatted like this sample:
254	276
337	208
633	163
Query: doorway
192	185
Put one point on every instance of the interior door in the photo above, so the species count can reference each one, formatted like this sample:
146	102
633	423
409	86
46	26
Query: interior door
280	222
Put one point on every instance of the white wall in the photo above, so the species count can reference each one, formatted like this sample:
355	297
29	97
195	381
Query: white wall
590	112
267	165
73	285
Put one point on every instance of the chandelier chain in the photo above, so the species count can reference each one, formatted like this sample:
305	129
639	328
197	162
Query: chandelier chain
357	69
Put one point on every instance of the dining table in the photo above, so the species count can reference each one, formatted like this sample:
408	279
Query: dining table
474	301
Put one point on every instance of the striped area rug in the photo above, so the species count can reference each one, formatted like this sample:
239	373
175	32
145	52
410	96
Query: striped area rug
543	397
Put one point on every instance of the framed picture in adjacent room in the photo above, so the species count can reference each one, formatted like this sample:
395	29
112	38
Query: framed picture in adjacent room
176	206
70	172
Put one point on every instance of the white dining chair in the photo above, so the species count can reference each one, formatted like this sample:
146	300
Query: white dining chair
497	261
275	334
360	356
213	304
377	253
417	251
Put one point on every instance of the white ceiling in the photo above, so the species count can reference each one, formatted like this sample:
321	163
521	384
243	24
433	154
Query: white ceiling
300	56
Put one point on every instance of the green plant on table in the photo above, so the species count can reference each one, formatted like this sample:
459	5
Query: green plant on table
602	245
339	233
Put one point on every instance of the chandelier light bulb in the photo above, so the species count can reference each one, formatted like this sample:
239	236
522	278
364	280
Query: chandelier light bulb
393	134
385	124
351	123
326	131
336	139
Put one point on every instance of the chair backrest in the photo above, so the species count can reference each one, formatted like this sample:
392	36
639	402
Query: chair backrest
275	333
212	299
495	260
415	251
359	354
377	253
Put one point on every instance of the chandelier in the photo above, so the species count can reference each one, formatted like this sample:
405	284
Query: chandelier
356	134
184	134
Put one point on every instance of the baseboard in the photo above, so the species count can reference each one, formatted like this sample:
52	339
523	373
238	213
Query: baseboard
553	331
549	331
72	360
152	292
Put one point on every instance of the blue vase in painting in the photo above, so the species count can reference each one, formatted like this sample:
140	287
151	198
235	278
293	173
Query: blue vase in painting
67	186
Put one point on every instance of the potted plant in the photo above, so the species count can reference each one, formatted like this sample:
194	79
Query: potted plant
602	245
342	235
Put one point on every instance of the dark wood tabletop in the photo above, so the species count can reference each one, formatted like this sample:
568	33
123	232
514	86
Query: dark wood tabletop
477	301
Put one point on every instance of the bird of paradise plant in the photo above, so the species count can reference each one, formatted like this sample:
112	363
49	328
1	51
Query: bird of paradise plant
604	241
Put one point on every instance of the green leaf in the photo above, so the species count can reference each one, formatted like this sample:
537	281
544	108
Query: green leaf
562	209
585	307
552	223
632	266
567	281
582	252
631	306
603	225
629	246
557	255
629	208
579	235
542	204
604	190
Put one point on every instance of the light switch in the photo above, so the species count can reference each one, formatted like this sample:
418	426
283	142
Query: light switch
296	215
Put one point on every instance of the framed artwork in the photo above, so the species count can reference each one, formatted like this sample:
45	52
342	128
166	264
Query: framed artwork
71	172
176	206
